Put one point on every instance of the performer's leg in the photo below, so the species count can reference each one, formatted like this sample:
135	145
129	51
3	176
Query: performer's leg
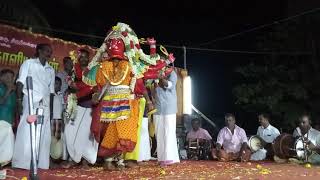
68	164
53	127
108	164
120	162
85	164
58	129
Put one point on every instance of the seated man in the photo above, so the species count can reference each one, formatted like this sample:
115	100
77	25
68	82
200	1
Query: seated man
231	142
197	132
311	136
7	111
268	134
199	141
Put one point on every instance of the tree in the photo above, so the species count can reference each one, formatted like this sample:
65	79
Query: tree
284	85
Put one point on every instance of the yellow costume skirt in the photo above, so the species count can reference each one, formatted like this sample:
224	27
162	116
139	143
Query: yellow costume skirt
121	136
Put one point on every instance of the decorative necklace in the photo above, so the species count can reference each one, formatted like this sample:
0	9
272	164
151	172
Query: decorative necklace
114	73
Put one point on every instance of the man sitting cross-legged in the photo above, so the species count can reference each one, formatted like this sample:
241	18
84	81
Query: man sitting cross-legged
231	142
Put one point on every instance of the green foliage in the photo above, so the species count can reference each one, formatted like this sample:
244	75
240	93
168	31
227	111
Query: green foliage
284	85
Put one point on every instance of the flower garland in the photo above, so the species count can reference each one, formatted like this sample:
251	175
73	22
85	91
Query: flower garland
71	98
138	60
71	109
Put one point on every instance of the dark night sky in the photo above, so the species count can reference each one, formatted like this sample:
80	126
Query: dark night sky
172	22
187	22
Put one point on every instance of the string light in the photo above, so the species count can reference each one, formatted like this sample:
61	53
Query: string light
260	27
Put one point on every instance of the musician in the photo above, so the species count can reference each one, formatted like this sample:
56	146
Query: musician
268	134
202	138
231	142
311	137
197	132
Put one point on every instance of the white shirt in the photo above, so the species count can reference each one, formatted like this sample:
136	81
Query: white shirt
64	84
43	78
313	135
232	142
268	134
57	105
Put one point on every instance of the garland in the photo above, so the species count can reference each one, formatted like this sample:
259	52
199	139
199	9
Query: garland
117	82
116	74
71	109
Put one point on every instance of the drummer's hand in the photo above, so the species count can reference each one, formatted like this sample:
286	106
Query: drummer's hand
311	146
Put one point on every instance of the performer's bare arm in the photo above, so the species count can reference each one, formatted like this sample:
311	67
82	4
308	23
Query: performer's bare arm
148	100
19	97
163	83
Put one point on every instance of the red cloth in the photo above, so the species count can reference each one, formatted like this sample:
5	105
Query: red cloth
140	88
95	123
83	89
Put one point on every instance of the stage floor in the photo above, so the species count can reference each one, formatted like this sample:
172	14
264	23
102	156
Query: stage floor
184	170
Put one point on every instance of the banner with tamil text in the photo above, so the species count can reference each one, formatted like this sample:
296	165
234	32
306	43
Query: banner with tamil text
17	45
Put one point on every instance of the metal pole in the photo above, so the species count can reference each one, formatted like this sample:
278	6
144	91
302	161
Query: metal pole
184	57
33	163
204	117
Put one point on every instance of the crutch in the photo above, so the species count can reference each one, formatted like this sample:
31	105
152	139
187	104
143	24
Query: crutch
39	123
33	174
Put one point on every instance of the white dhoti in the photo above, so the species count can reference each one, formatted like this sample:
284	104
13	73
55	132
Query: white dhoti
167	147
259	155
6	142
22	148
145	151
79	140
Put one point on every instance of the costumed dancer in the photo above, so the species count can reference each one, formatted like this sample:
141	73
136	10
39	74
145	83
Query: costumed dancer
120	80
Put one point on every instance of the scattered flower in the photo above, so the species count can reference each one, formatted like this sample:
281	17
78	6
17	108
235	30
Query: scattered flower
308	165
162	172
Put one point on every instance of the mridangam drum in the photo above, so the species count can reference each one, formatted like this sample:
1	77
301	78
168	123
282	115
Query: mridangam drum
199	149
255	143
300	148
284	146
